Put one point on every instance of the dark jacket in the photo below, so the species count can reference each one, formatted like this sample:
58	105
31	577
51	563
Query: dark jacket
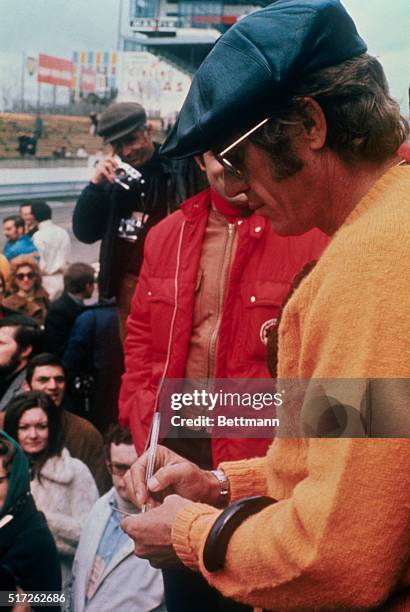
6	312
28	551
28	554
100	208
95	348
59	321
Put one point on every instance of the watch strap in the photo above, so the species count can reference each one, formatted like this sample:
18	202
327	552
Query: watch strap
224	487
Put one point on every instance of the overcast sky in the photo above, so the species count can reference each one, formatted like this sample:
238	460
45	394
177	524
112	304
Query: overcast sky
58	27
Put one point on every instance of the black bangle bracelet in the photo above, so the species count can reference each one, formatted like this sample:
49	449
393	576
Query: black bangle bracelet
221	532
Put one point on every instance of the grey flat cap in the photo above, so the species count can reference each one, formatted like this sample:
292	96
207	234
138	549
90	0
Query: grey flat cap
120	119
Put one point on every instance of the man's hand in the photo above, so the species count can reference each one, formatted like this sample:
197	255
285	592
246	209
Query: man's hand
152	530
173	474
104	171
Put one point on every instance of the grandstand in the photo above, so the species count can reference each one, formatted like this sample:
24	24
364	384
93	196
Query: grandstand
58	131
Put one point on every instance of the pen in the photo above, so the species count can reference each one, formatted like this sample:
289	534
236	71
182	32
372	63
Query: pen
152	450
115	509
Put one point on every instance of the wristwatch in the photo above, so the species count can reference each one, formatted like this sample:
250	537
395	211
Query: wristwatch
224	487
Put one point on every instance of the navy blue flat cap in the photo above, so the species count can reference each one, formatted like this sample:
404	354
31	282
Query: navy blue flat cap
254	63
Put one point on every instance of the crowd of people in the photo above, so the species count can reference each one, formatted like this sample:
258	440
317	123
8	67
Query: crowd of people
61	360
32	232
267	237
67	467
54	373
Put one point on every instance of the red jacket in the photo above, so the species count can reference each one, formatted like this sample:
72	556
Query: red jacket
159	326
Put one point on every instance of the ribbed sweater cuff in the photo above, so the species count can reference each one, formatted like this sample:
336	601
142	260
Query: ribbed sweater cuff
189	531
247	477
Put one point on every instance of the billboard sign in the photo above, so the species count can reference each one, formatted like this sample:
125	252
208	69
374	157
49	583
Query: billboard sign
87	80
54	70
158	86
103	64
102	85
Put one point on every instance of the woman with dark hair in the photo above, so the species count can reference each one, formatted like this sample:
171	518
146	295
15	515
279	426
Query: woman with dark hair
28	555
61	485
25	292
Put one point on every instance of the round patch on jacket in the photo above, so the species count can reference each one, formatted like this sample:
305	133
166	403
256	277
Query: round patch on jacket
266	329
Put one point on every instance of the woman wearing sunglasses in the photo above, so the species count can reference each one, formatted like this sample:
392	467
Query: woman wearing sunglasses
24	290
61	485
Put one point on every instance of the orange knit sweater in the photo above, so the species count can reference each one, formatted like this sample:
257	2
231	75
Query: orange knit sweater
339	538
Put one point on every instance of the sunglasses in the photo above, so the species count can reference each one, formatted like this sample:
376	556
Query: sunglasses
223	156
23	275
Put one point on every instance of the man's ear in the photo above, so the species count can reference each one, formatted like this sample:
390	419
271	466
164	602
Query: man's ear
26	352
200	161
314	123
26	386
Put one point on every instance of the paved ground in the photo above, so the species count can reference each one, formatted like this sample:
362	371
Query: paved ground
62	213
17	184
13	176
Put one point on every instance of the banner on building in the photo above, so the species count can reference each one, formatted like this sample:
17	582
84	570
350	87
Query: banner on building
158	86
87	80
104	66
54	70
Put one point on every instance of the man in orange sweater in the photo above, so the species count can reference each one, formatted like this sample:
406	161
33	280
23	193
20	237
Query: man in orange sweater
309	132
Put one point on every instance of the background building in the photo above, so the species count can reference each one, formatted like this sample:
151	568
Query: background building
181	32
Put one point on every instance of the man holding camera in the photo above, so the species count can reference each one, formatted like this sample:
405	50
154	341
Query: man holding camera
119	209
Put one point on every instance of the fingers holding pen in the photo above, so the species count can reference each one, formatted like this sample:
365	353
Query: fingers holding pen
172	475
135	482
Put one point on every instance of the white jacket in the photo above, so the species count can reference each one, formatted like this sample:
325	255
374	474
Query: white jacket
54	245
65	494
128	583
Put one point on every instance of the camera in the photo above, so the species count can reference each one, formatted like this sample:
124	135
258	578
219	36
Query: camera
126	175
130	228
84	384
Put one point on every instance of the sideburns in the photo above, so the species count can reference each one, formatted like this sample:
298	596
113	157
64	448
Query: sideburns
283	157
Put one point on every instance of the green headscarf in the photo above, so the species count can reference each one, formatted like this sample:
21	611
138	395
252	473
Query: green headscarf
19	478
